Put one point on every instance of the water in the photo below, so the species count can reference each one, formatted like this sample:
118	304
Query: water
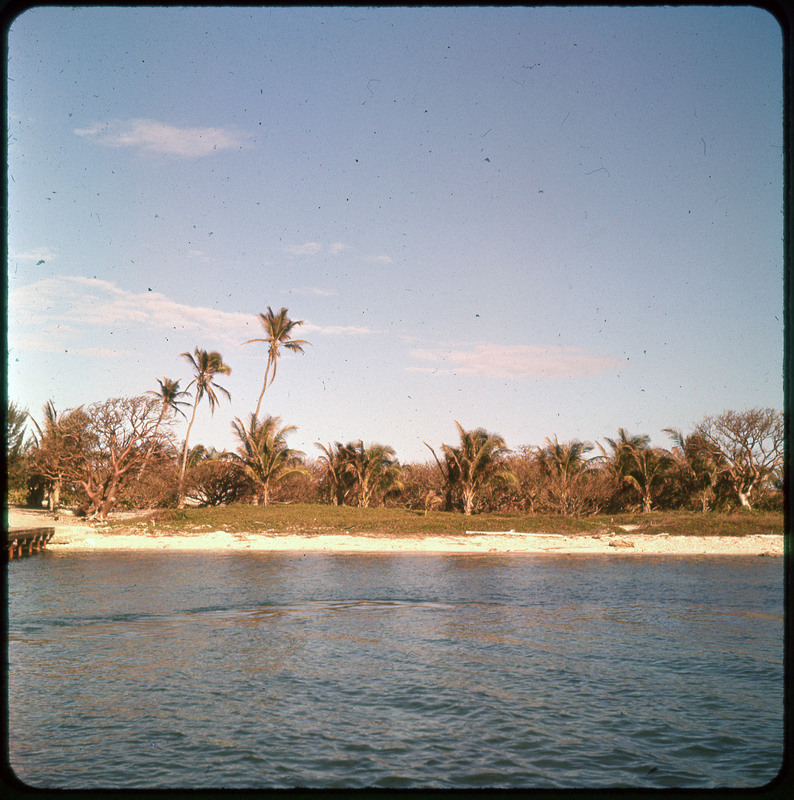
333	670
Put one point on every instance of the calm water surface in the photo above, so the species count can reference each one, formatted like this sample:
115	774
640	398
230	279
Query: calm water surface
336	670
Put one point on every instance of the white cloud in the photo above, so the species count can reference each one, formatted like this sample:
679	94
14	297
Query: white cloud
63	306
308	249
315	292
338	247
101	352
336	330
515	361
35	255
56	314
379	259
151	136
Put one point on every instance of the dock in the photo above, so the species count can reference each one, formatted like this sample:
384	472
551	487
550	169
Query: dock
26	541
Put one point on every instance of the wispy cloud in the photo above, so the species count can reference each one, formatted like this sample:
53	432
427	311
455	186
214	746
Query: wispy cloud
314	292
337	330
313	248
103	352
65	306
62	342
35	255
307	249
514	361
55	314
151	136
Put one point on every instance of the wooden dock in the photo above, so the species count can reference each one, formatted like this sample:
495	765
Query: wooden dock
26	541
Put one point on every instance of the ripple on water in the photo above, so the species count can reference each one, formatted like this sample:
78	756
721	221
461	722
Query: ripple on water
258	670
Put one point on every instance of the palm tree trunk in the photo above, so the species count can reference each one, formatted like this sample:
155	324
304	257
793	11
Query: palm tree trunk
468	500
181	492
54	498
264	387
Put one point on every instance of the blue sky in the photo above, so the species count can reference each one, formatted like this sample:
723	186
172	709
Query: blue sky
538	221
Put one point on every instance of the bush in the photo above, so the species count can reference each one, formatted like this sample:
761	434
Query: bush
216	482
421	482
299	488
157	487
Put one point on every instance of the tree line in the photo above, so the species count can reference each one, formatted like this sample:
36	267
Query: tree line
124	452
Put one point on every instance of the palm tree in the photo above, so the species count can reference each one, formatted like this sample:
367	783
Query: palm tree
264	454
199	453
699	464
620	460
168	395
55	447
278	327
634	463
206	365
16	419
374	468
567	459
340	481
563	466
474	465
651	466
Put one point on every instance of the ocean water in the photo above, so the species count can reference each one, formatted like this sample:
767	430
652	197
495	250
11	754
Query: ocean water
248	670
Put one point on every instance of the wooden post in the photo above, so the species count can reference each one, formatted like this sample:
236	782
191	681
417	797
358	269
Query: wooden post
27	540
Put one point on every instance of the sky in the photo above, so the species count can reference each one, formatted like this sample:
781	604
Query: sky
539	221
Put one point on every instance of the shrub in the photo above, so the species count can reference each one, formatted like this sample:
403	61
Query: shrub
218	482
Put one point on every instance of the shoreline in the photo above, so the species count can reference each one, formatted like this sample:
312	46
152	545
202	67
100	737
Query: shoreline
74	534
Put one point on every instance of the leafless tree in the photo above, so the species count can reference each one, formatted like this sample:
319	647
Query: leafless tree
751	445
115	441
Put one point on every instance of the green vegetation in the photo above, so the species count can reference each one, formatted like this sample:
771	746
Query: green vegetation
264	455
123	453
318	518
205	367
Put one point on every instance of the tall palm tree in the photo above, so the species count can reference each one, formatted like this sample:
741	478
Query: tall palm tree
206	365
278	327
264	454
474	465
168	395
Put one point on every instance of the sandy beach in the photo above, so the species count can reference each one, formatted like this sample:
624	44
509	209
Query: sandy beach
75	534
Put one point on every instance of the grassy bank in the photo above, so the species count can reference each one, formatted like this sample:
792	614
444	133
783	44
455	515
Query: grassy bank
316	519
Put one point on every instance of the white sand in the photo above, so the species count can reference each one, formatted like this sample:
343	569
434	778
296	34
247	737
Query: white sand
72	533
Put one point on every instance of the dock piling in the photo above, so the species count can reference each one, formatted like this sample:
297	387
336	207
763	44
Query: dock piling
32	539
